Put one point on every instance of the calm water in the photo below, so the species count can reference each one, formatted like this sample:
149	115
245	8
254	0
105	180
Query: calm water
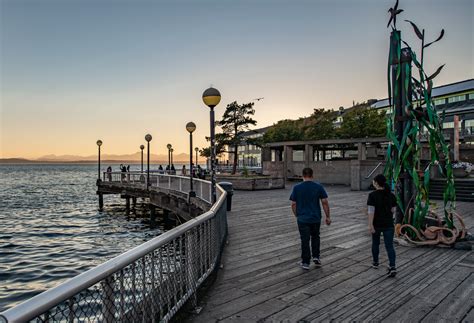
50	229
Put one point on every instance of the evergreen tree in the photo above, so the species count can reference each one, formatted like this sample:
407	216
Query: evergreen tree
236	120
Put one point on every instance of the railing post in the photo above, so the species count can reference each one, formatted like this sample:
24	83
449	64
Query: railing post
153	287
169	182
144	283
108	310
121	318
71	310
180	184
190	259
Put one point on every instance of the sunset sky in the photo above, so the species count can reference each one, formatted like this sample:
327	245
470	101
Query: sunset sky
74	71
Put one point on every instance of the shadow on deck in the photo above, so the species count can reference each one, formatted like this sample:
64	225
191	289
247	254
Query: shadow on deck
261	281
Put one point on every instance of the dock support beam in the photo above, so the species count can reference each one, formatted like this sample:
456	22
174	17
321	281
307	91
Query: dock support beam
152	215
101	201
127	204
134	202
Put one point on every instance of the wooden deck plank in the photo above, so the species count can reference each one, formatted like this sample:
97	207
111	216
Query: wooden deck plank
262	282
334	300
376	300
425	300
456	305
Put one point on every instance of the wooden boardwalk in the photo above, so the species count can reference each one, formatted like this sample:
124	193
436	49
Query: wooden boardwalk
261	281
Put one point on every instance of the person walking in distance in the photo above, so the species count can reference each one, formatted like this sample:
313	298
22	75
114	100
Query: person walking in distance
381	206
305	204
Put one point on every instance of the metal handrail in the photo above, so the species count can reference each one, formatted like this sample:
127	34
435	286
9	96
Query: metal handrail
160	180
373	171
42	303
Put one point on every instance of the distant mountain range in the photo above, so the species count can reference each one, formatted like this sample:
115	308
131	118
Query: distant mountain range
93	158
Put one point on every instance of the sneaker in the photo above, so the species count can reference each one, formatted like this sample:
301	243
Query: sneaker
317	262
304	266
375	265
392	272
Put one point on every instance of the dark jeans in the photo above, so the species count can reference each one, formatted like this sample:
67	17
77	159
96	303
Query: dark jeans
388	240
309	231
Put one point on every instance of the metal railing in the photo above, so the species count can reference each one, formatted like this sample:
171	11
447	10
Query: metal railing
201	187
373	170
149	283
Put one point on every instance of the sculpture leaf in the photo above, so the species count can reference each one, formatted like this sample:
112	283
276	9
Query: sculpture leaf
437	39
415	28
432	76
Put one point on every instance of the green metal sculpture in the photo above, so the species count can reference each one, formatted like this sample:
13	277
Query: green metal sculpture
412	115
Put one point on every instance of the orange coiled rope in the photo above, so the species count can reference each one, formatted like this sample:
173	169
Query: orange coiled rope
433	235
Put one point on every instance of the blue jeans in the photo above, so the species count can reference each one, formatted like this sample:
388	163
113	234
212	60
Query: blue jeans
309	231
388	241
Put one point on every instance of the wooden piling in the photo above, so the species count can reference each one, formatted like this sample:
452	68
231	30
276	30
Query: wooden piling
152	215
101	202
127	204
134	202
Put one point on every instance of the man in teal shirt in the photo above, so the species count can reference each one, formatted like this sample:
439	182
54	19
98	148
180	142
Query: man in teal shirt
305	199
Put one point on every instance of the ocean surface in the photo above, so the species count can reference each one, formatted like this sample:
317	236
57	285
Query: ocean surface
51	229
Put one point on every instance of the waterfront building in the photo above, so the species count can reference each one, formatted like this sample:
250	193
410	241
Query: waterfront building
451	99
248	152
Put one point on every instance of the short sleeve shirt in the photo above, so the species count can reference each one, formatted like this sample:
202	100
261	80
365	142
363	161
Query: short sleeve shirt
307	196
383	205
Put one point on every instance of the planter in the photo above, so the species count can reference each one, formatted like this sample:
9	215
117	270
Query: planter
253	183
460	172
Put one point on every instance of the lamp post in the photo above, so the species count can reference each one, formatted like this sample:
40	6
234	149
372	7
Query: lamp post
190	127
171	151
148	138
211	97
169	157
99	143
197	151
142	147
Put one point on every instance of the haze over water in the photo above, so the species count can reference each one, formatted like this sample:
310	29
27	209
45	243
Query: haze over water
50	229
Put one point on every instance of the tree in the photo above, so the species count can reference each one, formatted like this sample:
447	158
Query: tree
320	125
363	122
220	142
284	130
236	120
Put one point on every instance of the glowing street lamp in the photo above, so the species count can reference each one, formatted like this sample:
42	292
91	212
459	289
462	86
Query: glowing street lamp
142	147
169	157
190	127
148	138
211	97
197	151
99	143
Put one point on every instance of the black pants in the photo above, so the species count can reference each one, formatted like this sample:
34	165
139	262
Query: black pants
309	231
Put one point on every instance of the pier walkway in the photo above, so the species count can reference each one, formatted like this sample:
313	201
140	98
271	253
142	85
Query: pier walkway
261	281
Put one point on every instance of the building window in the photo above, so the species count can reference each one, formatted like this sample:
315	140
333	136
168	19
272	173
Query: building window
456	98
448	125
471	96
298	155
439	101
469	126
